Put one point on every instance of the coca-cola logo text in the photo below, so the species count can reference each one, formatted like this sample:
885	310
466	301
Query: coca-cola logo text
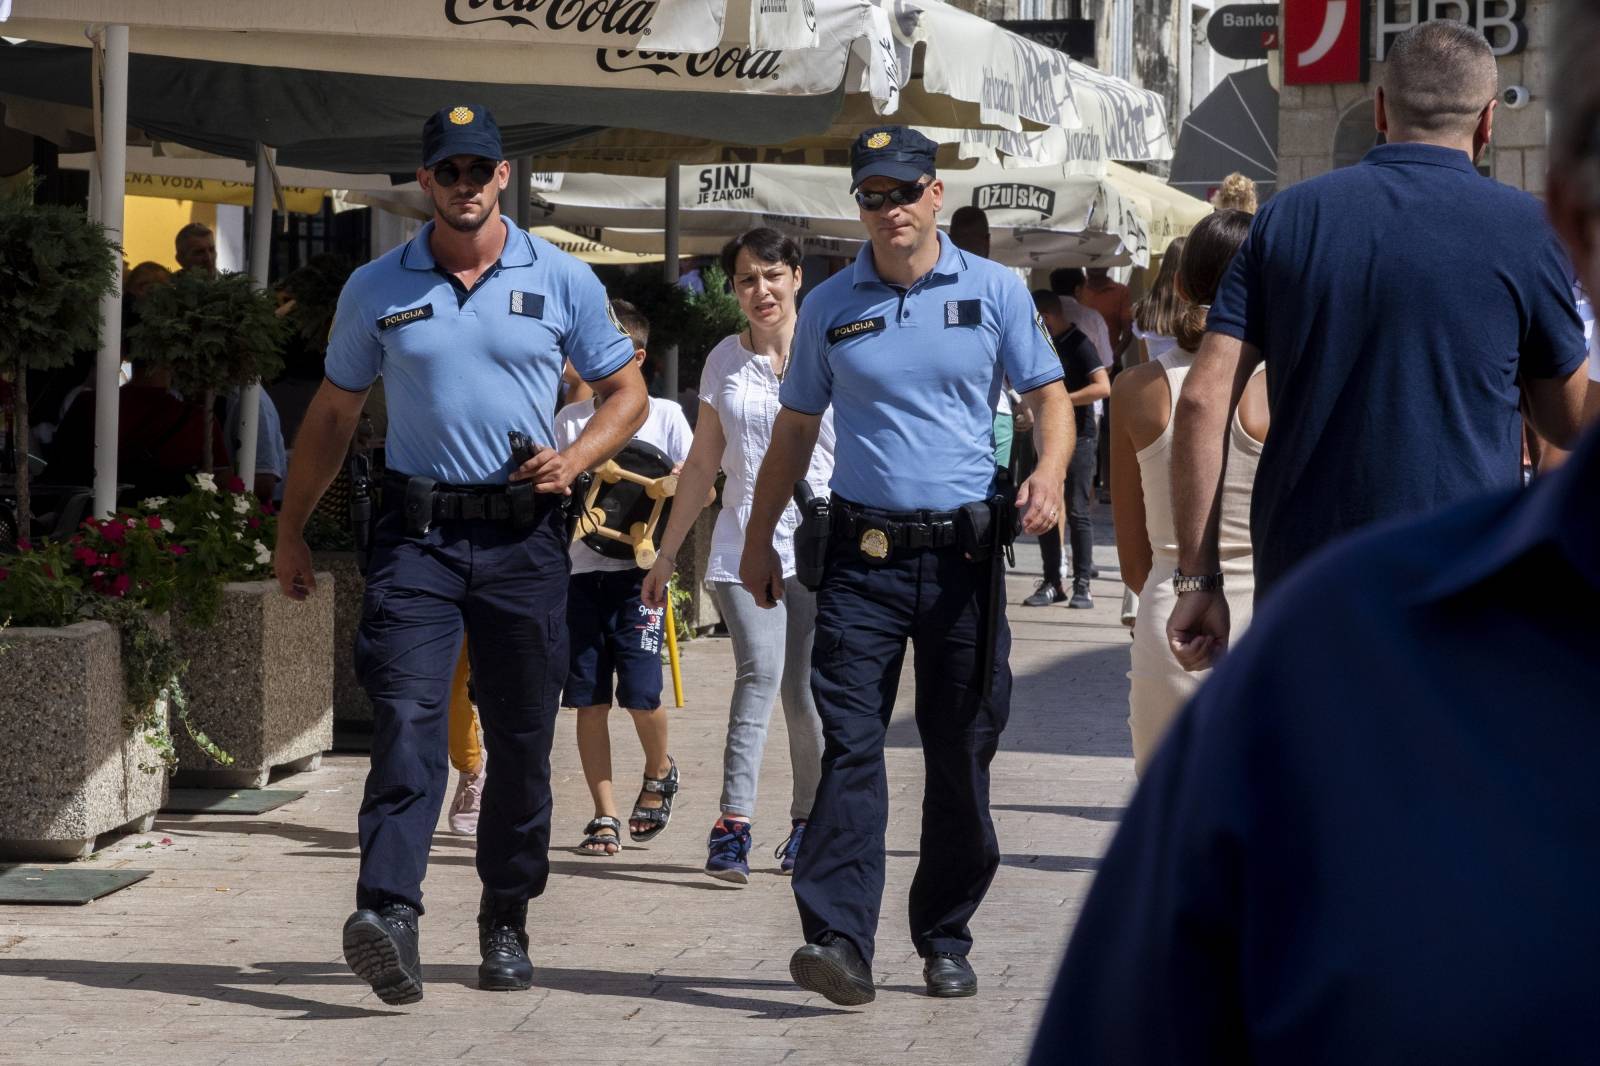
743	63
624	18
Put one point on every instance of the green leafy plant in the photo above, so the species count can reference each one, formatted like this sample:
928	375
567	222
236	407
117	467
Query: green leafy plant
223	534
314	291
681	602
695	321
55	265
214	333
41	586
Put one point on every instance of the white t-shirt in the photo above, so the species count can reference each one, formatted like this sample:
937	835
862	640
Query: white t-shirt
665	428
742	389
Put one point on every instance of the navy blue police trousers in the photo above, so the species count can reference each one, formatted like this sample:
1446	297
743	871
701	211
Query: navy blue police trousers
937	598
508	587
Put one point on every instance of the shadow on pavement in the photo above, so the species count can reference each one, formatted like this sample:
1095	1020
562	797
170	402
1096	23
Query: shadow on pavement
241	985
1055	864
1094	814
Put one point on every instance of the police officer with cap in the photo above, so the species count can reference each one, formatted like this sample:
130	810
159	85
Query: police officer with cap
909	346
469	323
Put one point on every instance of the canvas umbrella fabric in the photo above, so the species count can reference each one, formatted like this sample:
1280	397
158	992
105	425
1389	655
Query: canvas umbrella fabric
1235	128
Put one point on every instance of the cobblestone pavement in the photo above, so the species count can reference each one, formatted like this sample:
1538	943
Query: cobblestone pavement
229	952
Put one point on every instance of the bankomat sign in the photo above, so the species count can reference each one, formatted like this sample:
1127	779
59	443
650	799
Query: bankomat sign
1326	41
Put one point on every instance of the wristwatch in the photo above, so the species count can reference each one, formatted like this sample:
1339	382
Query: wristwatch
1182	582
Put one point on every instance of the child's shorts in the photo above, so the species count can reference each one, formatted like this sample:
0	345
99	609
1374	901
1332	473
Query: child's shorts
612	632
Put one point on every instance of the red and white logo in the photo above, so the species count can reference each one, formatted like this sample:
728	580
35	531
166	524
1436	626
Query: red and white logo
1324	42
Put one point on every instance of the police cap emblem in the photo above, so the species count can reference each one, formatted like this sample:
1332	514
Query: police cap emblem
461	116
879	140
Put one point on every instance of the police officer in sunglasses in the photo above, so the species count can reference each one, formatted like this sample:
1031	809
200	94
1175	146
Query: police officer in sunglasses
909	347
469	324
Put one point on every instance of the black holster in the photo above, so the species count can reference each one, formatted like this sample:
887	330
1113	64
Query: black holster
524	507
361	507
418	506
811	536
1002	509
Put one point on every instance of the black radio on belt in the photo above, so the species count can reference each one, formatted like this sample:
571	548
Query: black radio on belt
520	493
811	536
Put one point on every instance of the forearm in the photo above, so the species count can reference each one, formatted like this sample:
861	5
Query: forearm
1199	454
1089	394
615	422
695	483
1053	432
794	435
319	452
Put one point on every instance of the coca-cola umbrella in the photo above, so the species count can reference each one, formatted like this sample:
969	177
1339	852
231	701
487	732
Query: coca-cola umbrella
1235	128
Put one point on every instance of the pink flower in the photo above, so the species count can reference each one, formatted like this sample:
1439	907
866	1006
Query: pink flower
236	485
178	549
114	560
86	556
268	509
24	544
153	522
119	587
253	522
115	532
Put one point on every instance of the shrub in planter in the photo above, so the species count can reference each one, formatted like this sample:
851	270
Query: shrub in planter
55	265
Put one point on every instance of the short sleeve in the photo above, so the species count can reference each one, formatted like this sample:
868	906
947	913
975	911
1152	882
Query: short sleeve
355	355
1026	351
712	373
679	435
1552	342
1239	308
1085	360
595	342
808	379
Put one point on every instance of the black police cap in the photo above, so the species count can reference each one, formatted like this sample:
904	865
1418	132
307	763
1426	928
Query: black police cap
898	152
466	129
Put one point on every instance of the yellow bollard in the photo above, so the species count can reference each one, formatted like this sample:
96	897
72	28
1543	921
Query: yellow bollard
672	654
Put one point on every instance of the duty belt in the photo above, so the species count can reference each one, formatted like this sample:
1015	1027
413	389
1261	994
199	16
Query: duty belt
451	502
903	529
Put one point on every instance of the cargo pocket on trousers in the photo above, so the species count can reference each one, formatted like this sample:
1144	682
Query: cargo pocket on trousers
367	639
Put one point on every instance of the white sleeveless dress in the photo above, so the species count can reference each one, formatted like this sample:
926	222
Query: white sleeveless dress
1159	686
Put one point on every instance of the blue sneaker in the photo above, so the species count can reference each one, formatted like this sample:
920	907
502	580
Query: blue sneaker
790	848
728	857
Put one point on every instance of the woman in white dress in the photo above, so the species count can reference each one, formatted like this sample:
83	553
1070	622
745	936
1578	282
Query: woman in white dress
772	648
1141	488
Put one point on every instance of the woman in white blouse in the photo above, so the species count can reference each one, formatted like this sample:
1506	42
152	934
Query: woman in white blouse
772	648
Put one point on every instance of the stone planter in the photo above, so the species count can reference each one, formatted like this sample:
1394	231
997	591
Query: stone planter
69	770
260	684
352	711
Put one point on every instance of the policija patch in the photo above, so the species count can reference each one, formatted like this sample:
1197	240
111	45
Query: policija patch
854	329
400	318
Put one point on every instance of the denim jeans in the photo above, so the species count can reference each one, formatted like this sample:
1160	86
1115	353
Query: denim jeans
772	657
1079	523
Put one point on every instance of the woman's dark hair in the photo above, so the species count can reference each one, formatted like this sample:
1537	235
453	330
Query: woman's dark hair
1206	255
767	245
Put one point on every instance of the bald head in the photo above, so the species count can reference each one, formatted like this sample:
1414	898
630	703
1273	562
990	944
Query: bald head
1439	77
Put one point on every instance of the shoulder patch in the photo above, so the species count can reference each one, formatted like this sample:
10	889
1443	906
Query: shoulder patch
611	313
853	329
400	318
527	304
1044	330
963	312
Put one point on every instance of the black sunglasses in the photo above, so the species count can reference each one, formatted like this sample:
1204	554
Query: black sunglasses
909	193
480	171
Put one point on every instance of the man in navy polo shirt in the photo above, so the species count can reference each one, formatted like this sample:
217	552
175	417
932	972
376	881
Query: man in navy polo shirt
909	347
1371	837
1401	306
469	324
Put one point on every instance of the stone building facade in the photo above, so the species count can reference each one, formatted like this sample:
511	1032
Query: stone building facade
1321	127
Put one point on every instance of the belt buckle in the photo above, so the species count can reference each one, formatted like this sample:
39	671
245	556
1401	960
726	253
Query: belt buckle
874	544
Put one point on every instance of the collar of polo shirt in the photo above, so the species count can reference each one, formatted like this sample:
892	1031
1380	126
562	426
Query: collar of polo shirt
952	261
518	251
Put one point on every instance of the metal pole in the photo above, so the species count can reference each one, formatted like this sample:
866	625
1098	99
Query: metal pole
522	180
260	265
113	180
669	274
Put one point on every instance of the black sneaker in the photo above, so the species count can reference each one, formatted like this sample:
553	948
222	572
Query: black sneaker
949	976
1045	594
381	948
503	943
835	970
1080	594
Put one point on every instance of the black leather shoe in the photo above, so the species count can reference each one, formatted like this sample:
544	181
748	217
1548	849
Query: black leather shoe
503	942
949	976
381	948
835	970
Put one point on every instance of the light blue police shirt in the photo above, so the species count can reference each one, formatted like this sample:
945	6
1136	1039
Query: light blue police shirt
913	376
462	369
